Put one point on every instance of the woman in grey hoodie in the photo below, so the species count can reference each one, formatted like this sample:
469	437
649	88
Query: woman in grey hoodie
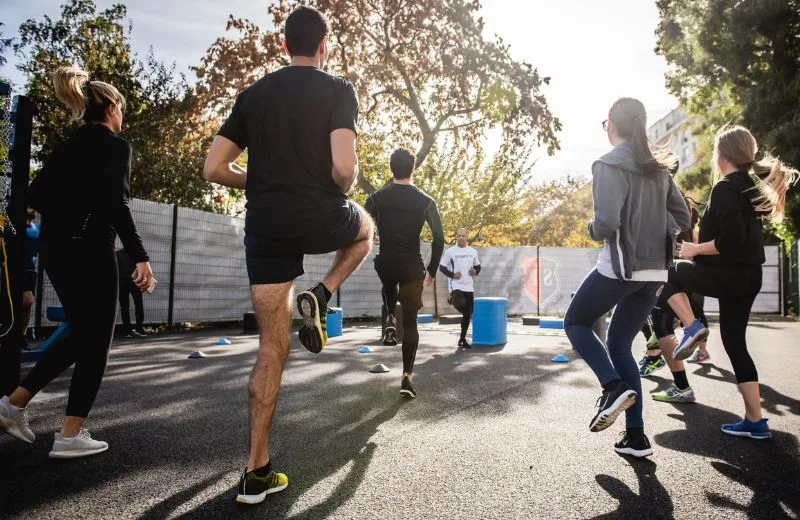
638	210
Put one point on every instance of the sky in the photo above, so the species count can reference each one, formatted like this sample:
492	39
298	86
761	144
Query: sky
595	51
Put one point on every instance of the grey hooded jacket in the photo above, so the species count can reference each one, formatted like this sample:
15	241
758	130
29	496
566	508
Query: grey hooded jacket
636	214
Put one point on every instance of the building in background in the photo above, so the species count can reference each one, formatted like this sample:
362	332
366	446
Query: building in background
674	132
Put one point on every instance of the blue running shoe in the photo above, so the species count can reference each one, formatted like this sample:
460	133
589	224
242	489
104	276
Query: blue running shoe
746	428
693	335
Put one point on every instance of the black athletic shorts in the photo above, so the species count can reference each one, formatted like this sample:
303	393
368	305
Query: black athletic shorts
279	260
29	281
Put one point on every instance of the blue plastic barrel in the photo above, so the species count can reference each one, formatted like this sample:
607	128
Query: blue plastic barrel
334	325
490	321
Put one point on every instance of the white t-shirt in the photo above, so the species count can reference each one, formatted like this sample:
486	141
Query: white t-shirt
460	260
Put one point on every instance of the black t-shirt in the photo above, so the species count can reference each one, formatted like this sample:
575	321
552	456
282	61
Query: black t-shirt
400	211
731	221
284	120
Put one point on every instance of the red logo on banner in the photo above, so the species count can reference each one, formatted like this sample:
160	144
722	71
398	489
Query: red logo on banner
540	288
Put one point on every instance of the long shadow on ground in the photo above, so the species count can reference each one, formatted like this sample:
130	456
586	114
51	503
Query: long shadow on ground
178	427
653	500
770	469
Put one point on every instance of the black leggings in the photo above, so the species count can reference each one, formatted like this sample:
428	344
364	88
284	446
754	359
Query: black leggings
736	289
126	291
85	279
664	317
466	312
402	282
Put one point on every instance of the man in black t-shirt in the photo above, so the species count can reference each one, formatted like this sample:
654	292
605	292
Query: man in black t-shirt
400	210
298	125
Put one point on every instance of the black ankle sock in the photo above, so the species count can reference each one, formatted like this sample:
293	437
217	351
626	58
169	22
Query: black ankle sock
635	432
653	359
326	292
611	384
680	380
263	471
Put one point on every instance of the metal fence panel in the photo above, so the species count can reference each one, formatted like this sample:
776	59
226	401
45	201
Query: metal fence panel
211	281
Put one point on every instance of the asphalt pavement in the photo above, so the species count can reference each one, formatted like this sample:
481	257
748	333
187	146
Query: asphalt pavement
498	432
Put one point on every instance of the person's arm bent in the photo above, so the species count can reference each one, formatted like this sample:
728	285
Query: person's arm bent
121	217
437	247
220	167
344	121
226	147
345	160
676	206
609	190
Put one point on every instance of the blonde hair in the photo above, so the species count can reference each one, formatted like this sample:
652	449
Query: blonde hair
86	100
773	178
630	120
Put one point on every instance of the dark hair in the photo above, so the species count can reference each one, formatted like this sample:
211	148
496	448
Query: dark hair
304	31
630	120
402	163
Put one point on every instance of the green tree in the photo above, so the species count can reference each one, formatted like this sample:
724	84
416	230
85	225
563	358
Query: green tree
5	43
559	211
422	69
480	193
168	141
739	62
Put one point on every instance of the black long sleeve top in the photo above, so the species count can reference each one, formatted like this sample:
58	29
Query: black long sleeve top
400	211
731	221
83	191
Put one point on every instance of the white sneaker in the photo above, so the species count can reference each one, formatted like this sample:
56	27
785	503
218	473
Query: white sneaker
81	445
15	421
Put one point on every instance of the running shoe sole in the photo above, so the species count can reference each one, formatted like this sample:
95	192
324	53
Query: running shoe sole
12	428
633	452
646	373
390	336
679	400
408	393
311	330
607	417
257	499
686	350
75	454
700	360
748	434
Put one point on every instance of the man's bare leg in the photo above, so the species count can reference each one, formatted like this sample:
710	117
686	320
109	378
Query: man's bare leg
272	304
348	259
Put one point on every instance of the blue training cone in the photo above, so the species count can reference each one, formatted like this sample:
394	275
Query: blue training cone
366	350
561	358
224	341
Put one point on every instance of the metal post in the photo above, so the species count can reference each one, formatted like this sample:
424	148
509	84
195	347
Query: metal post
173	252
37	317
435	299
22	119
538	283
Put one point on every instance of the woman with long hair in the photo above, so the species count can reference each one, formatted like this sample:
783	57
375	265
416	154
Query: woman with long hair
82	194
637	208
727	260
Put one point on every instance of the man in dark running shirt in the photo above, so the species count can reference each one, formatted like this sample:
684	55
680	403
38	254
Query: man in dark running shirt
400	210
298	125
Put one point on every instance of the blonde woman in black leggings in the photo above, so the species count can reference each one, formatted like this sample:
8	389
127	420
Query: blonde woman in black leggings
82	194
727	260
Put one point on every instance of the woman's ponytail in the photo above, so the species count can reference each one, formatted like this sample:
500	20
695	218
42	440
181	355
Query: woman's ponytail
69	83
